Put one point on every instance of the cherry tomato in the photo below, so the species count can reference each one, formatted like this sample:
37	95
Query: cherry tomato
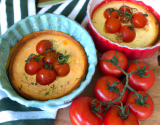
49	57
128	33
122	17
113	14
110	69
142	80
112	25
32	67
112	117
61	69
45	76
81	112
139	20
43	46
140	110
103	89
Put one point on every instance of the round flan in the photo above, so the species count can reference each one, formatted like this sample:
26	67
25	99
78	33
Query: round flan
27	86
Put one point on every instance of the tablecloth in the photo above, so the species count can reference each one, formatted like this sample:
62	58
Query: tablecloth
11	11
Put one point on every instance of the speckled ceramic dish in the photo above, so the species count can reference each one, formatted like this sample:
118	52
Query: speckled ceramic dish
41	23
103	44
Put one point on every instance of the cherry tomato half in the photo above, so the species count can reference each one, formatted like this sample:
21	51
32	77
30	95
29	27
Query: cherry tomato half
139	20
45	76
128	33
112	25
43	46
109	69
32	67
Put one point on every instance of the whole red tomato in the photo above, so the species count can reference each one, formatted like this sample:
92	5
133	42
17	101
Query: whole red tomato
43	46
61	69
45	76
32	66
139	20
110	13
128	33
110	69
105	90
112	117
81	111
143	79
49	57
112	25
142	109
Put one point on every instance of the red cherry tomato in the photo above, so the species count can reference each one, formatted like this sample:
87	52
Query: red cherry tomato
32	67
112	25
139	20
112	117
49	57
122	17
43	46
81	112
141	111
142	80
45	76
114	14
61	69
105	93
128	33
109	69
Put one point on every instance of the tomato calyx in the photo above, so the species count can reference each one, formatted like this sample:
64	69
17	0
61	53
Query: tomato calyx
140	100
46	66
122	112
142	72
96	107
62	58
113	87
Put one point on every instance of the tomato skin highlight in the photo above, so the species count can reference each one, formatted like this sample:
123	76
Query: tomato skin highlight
45	76
141	112
112	25
107	68
128	35
32	67
102	93
140	83
112	117
81	114
42	46
138	20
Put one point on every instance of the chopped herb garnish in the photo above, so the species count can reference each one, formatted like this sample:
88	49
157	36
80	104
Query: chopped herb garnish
47	93
53	87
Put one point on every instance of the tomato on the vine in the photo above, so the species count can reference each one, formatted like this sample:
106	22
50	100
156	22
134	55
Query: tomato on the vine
32	66
45	76
50	57
144	77
110	13
112	117
112	25
139	20
84	111
43	46
108	88
128	33
107	68
141	107
124	17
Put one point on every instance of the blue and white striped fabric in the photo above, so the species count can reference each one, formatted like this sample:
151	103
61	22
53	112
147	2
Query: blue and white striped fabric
11	11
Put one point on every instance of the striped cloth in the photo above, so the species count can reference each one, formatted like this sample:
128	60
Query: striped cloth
11	11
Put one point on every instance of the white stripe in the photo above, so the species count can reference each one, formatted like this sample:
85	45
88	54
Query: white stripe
62	7
4	15
31	7
17	11
13	115
76	9
2	95
84	22
43	10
